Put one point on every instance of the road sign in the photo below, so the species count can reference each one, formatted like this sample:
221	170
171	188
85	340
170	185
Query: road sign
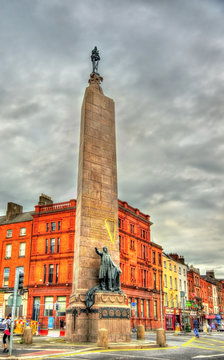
18	300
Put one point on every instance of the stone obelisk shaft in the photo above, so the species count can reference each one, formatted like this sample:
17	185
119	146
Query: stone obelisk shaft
97	202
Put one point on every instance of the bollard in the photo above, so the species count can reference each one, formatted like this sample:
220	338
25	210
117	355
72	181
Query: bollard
140	332
102	340
27	335
161	337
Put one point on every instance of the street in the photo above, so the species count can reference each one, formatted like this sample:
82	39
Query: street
184	347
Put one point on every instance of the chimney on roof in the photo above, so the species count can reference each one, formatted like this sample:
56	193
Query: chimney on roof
181	260
45	200
210	274
13	210
174	256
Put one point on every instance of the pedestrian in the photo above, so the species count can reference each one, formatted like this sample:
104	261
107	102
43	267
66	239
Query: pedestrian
209	329
196	327
61	324
7	331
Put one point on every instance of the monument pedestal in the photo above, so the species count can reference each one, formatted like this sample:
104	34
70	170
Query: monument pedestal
109	312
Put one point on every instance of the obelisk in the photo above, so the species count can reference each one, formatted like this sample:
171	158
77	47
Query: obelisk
96	219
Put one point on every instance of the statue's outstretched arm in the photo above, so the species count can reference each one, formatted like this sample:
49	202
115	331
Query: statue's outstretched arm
98	252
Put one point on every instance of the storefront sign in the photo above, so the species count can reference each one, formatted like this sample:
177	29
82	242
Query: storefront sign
169	311
210	316
193	313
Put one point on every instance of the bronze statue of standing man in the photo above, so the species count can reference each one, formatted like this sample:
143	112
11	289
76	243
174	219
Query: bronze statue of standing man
95	58
109	274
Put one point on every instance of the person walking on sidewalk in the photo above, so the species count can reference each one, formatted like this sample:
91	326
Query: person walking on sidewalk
7	331
196	327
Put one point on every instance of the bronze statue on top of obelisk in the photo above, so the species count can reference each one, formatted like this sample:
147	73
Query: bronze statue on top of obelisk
96	224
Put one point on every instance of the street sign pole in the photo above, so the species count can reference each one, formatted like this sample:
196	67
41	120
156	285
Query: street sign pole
13	311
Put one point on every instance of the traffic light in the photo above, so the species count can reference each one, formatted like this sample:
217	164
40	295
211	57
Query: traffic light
21	276
56	306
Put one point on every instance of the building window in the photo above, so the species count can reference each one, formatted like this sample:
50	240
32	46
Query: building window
53	226
185	286
48	306
22	249
170	266
142	308
164	264
184	272
8	251
46	246
51	273
171	282
56	278
155	309
176	301
132	228
136	307
180	284
175	268
143	251
132	244
154	280
61	305
120	223
9	233
166	299
58	244
6	277
143	234
47	227
45	273
148	308
22	231
144	278
165	280
132	274
153	257
171	300
179	270
59	225
175	284
160	261
119	242
52	245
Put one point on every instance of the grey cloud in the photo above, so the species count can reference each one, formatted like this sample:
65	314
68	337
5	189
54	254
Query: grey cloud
162	63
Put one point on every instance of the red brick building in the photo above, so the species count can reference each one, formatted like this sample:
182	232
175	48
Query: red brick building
49	257
15	242
51	261
141	265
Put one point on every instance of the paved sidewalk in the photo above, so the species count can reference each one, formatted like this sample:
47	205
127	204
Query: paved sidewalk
47	346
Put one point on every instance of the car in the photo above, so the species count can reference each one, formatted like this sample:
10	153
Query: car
2	326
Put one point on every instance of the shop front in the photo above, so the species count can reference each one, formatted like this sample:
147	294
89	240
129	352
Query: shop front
170	319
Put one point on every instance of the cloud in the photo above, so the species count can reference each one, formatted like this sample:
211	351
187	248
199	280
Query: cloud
162	63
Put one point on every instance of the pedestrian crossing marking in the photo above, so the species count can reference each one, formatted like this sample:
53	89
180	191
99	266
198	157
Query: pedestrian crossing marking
206	344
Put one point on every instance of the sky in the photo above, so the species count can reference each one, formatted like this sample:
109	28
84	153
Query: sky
163	64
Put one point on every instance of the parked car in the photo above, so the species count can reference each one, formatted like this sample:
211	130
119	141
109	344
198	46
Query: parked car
2	326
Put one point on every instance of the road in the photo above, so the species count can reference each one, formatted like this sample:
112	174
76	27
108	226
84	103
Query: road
180	347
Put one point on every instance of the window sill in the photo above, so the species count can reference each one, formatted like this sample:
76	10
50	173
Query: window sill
21	256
